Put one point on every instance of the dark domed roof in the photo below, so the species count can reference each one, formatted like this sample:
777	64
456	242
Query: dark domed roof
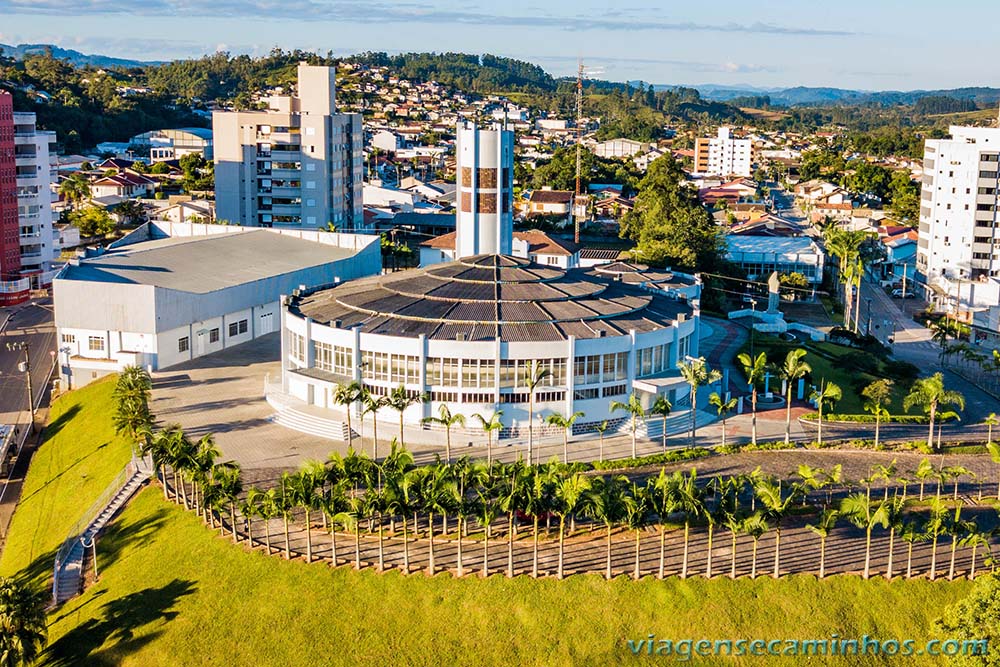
485	297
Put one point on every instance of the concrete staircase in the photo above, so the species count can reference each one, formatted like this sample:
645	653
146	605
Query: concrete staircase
68	571
292	413
679	423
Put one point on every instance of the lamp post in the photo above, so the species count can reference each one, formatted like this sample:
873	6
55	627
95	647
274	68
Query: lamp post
868	328
25	367
753	319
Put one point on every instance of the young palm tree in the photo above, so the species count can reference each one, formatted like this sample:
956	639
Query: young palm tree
534	375
958	529
776	506
754	525
925	470
401	495
931	395
131	399
399	400
338	511
486	512
733	520
884	473
894	521
911	532
347	395
493	423
860	511
937	523
975	538
635	410
439	495
994	449
991	421
300	489
512	500
227	478
722	408
371	404
607	504
824	525
448	420
570	495
664	498
878	394
566	424
22	618
636	513
603	426
791	370
955	473
536	503
690	500
263	505
754	369
282	503
697	374
662	407
828	393
375	507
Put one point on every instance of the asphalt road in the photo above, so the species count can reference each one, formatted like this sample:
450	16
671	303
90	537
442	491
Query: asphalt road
32	324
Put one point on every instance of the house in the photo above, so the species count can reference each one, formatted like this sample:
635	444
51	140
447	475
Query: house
759	255
618	148
191	210
125	183
766	225
388	141
643	160
534	245
612	207
550	202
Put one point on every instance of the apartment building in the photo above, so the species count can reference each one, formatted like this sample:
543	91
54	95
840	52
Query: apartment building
10	250
35	174
958	209
297	164
723	155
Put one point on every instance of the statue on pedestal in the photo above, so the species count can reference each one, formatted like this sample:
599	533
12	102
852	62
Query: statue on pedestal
773	285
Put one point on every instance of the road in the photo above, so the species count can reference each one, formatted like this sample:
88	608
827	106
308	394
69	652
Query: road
32	324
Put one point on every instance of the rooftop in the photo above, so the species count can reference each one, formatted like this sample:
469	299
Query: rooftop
486	297
204	264
781	245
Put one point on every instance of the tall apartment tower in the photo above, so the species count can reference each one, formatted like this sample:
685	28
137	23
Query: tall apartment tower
297	164
484	160
723	155
10	248
957	237
34	198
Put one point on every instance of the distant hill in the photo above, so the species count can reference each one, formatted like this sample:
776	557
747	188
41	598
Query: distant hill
75	57
803	95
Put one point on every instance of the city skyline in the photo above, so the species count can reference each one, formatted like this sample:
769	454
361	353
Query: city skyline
731	45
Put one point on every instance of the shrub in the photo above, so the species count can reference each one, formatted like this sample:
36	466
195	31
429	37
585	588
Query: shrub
870	419
903	372
663	458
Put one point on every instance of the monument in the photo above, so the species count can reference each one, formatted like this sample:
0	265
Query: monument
773	285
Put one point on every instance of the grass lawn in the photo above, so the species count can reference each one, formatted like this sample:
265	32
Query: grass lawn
80	456
174	593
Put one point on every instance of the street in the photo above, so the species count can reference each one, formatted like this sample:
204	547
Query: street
31	324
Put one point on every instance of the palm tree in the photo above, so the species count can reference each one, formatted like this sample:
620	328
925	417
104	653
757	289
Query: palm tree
958	529
925	470
227	478
22	617
282	503
636	513
261	503
512	501
75	189
911	532
931	395
825	523
158	448
990	421
399	400
347	395
894	521
374	506
754	525
566	424
300	488
570	495
662	407
448	420
607	504
937	522
768	492
722	407
401	493
828	393
955	473
535	504
755	369
878	394
690	500
603	426
200	470
860	511
791	370
439	495
634	408
975	538
534	375
489	425
131	399
885	473
486	512
697	373
662	492
371	404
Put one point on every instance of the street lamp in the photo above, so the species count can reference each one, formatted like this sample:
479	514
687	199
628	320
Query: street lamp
868	328
25	367
753	319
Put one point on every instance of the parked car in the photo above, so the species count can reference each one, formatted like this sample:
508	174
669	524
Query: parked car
899	294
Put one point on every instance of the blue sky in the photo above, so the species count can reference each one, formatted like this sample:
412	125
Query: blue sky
872	45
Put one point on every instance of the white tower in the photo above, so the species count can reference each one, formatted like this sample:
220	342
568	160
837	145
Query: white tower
484	221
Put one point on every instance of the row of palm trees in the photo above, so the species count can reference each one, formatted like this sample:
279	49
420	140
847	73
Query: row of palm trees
354	494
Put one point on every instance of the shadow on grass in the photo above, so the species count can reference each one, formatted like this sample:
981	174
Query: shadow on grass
97	450
119	538
58	424
119	630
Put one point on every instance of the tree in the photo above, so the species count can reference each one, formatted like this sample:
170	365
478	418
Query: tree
566	424
662	407
911	532
399	400
768	492
937	523
570	494
828	393
690	499
860	511
439	495
994	450
132	416
976	618
486	512
534	375
93	221
601	428
754	369
494	423
636	513
825	523
448	420
791	370
300	489
371	404
663	495
754	525
697	373
878	394
607	505
991	419
931	395
23	623
75	189
401	496
635	410
227	479
722	407
347	395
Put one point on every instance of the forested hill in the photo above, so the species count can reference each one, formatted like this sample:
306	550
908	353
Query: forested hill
486	73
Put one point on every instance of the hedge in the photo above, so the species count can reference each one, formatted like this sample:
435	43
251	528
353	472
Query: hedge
673	456
870	419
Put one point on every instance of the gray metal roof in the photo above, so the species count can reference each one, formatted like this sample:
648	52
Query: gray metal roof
204	264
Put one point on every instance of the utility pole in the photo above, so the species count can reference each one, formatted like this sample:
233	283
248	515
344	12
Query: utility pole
25	367
904	279
579	140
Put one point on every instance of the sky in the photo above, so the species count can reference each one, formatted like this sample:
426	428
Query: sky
860	44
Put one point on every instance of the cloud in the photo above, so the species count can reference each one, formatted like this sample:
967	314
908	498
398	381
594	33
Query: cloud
381	12
688	65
